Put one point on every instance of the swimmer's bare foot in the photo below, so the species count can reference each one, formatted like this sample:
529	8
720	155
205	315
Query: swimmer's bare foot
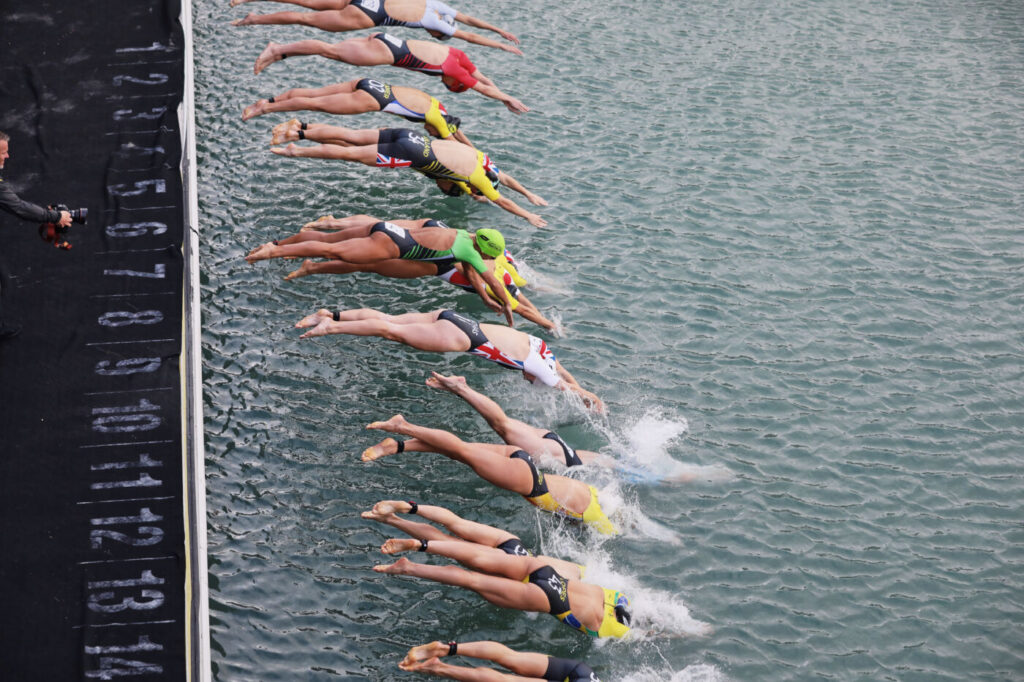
432	666
322	329
385	510
388	507
236	3
318	224
261	252
291	150
400	567
286	132
451	384
304	270
388	446
254	110
314	319
393	425
425	652
267	57
396	545
244	21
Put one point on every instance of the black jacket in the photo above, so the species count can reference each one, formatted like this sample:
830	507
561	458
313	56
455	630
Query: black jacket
10	202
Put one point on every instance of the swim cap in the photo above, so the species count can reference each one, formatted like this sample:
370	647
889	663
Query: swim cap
491	242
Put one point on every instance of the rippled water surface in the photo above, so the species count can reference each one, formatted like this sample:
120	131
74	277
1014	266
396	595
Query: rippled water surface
785	246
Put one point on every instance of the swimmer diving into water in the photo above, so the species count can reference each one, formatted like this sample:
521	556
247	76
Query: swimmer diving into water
445	331
527	666
438	246
444	161
504	466
517	582
456	70
410	264
363	96
435	17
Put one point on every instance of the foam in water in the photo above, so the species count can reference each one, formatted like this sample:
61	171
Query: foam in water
691	673
641	451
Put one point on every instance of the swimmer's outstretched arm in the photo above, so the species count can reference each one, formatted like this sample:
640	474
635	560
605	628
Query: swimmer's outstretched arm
515	209
510	182
528	310
480	23
487	88
479	280
486	42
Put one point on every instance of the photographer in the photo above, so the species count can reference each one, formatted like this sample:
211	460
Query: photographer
10	202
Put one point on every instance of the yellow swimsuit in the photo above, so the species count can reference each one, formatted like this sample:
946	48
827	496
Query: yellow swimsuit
435	118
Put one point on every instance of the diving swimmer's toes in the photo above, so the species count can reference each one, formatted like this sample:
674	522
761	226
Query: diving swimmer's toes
394	425
305	269
425	652
396	568
261	252
396	545
314	319
266	58
388	446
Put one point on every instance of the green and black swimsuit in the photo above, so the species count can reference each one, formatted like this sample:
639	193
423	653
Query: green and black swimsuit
461	250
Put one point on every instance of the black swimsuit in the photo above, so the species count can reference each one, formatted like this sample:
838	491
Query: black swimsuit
398	147
514	546
568	670
571	458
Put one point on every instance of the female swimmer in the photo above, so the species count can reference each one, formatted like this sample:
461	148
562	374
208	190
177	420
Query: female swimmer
444	161
445	331
517	582
450	269
504	466
434	16
456	70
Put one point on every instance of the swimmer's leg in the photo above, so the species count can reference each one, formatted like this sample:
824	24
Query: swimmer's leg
356	51
387	512
512	431
337	21
488	560
509	594
525	663
490	462
429	336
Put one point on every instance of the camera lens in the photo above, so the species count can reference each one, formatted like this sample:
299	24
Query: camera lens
79	215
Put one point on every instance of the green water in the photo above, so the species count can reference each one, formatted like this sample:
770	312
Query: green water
785	247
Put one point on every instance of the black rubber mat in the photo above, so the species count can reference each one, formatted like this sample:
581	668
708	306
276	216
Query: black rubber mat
91	506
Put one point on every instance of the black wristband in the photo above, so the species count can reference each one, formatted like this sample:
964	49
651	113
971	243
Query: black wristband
415	507
453	648
336	316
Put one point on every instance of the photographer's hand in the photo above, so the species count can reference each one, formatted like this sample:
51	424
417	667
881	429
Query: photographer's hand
65	219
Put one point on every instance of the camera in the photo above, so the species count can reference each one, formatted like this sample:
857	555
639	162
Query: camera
54	232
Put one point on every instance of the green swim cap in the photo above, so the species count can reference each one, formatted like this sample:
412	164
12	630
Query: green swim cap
491	242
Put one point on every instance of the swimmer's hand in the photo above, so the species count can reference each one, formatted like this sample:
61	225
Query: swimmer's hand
515	106
507	310
536	199
513	50
508	36
534	219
